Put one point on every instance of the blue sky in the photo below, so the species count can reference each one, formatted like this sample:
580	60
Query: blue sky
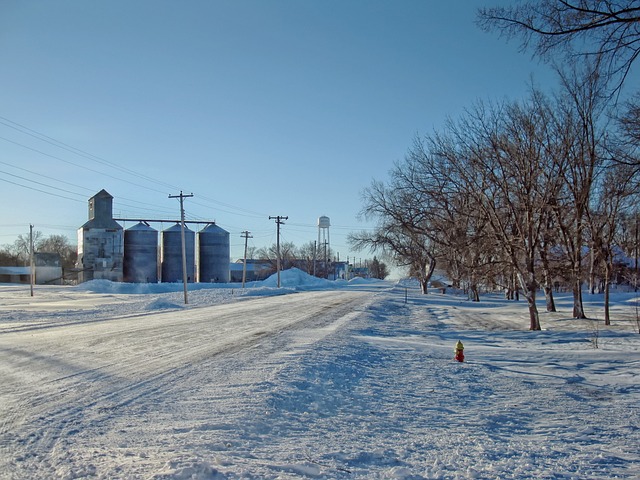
259	108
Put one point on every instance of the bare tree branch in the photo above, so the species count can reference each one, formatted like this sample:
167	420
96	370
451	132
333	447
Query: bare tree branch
592	28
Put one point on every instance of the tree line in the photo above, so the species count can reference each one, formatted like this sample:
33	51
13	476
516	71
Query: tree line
19	252
522	195
312	260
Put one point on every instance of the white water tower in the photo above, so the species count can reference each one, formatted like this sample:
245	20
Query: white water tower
323	239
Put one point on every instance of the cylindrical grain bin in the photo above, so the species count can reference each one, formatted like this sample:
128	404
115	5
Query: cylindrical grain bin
214	251
172	254
140	263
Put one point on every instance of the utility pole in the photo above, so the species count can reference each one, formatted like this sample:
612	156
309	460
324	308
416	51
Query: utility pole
326	260
184	247
31	262
315	255
246	237
347	269
279	222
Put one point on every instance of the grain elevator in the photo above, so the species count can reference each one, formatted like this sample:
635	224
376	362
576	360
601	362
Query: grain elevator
100	242
107	251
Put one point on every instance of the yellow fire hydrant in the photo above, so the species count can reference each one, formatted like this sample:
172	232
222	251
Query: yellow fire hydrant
459	351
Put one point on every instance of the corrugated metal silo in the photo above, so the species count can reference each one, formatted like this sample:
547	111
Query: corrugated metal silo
214	253
172	254
140	254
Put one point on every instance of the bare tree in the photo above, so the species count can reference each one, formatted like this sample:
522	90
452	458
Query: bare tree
613	196
455	225
500	155
604	29
549	262
579	126
287	255
401	229
378	269
630	121
21	247
7	257
306	255
58	244
629	134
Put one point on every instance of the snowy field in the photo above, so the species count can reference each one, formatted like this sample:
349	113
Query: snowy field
329	380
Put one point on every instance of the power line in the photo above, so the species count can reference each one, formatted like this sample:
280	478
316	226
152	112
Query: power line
41	191
64	146
118	201
64	182
39	183
57	143
78	165
216	202
202	200
44	176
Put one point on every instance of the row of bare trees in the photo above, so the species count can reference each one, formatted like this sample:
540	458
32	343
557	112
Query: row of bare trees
312	260
512	195
307	257
18	253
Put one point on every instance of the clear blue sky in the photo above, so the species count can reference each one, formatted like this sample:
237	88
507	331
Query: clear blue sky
257	107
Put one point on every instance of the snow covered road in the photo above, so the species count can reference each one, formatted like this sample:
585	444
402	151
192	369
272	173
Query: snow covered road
60	382
353	382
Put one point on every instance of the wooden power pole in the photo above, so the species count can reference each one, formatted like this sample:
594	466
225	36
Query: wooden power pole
246	237
279	222
31	259
184	246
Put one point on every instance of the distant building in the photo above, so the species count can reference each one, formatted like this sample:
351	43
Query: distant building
361	272
15	274
256	270
340	271
100	242
47	266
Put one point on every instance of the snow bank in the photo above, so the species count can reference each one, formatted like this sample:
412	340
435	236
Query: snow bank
292	279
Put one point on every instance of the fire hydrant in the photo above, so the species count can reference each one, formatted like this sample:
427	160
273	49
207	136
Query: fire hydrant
459	351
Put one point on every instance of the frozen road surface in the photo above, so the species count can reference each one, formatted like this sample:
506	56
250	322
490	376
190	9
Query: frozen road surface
66	384
351	381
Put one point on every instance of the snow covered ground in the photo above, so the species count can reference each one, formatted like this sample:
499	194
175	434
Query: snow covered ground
313	380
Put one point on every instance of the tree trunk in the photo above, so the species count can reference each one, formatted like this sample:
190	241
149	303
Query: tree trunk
473	293
592	272
576	271
608	269
548	281
529	291
548	293
427	270
534	318
578	308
